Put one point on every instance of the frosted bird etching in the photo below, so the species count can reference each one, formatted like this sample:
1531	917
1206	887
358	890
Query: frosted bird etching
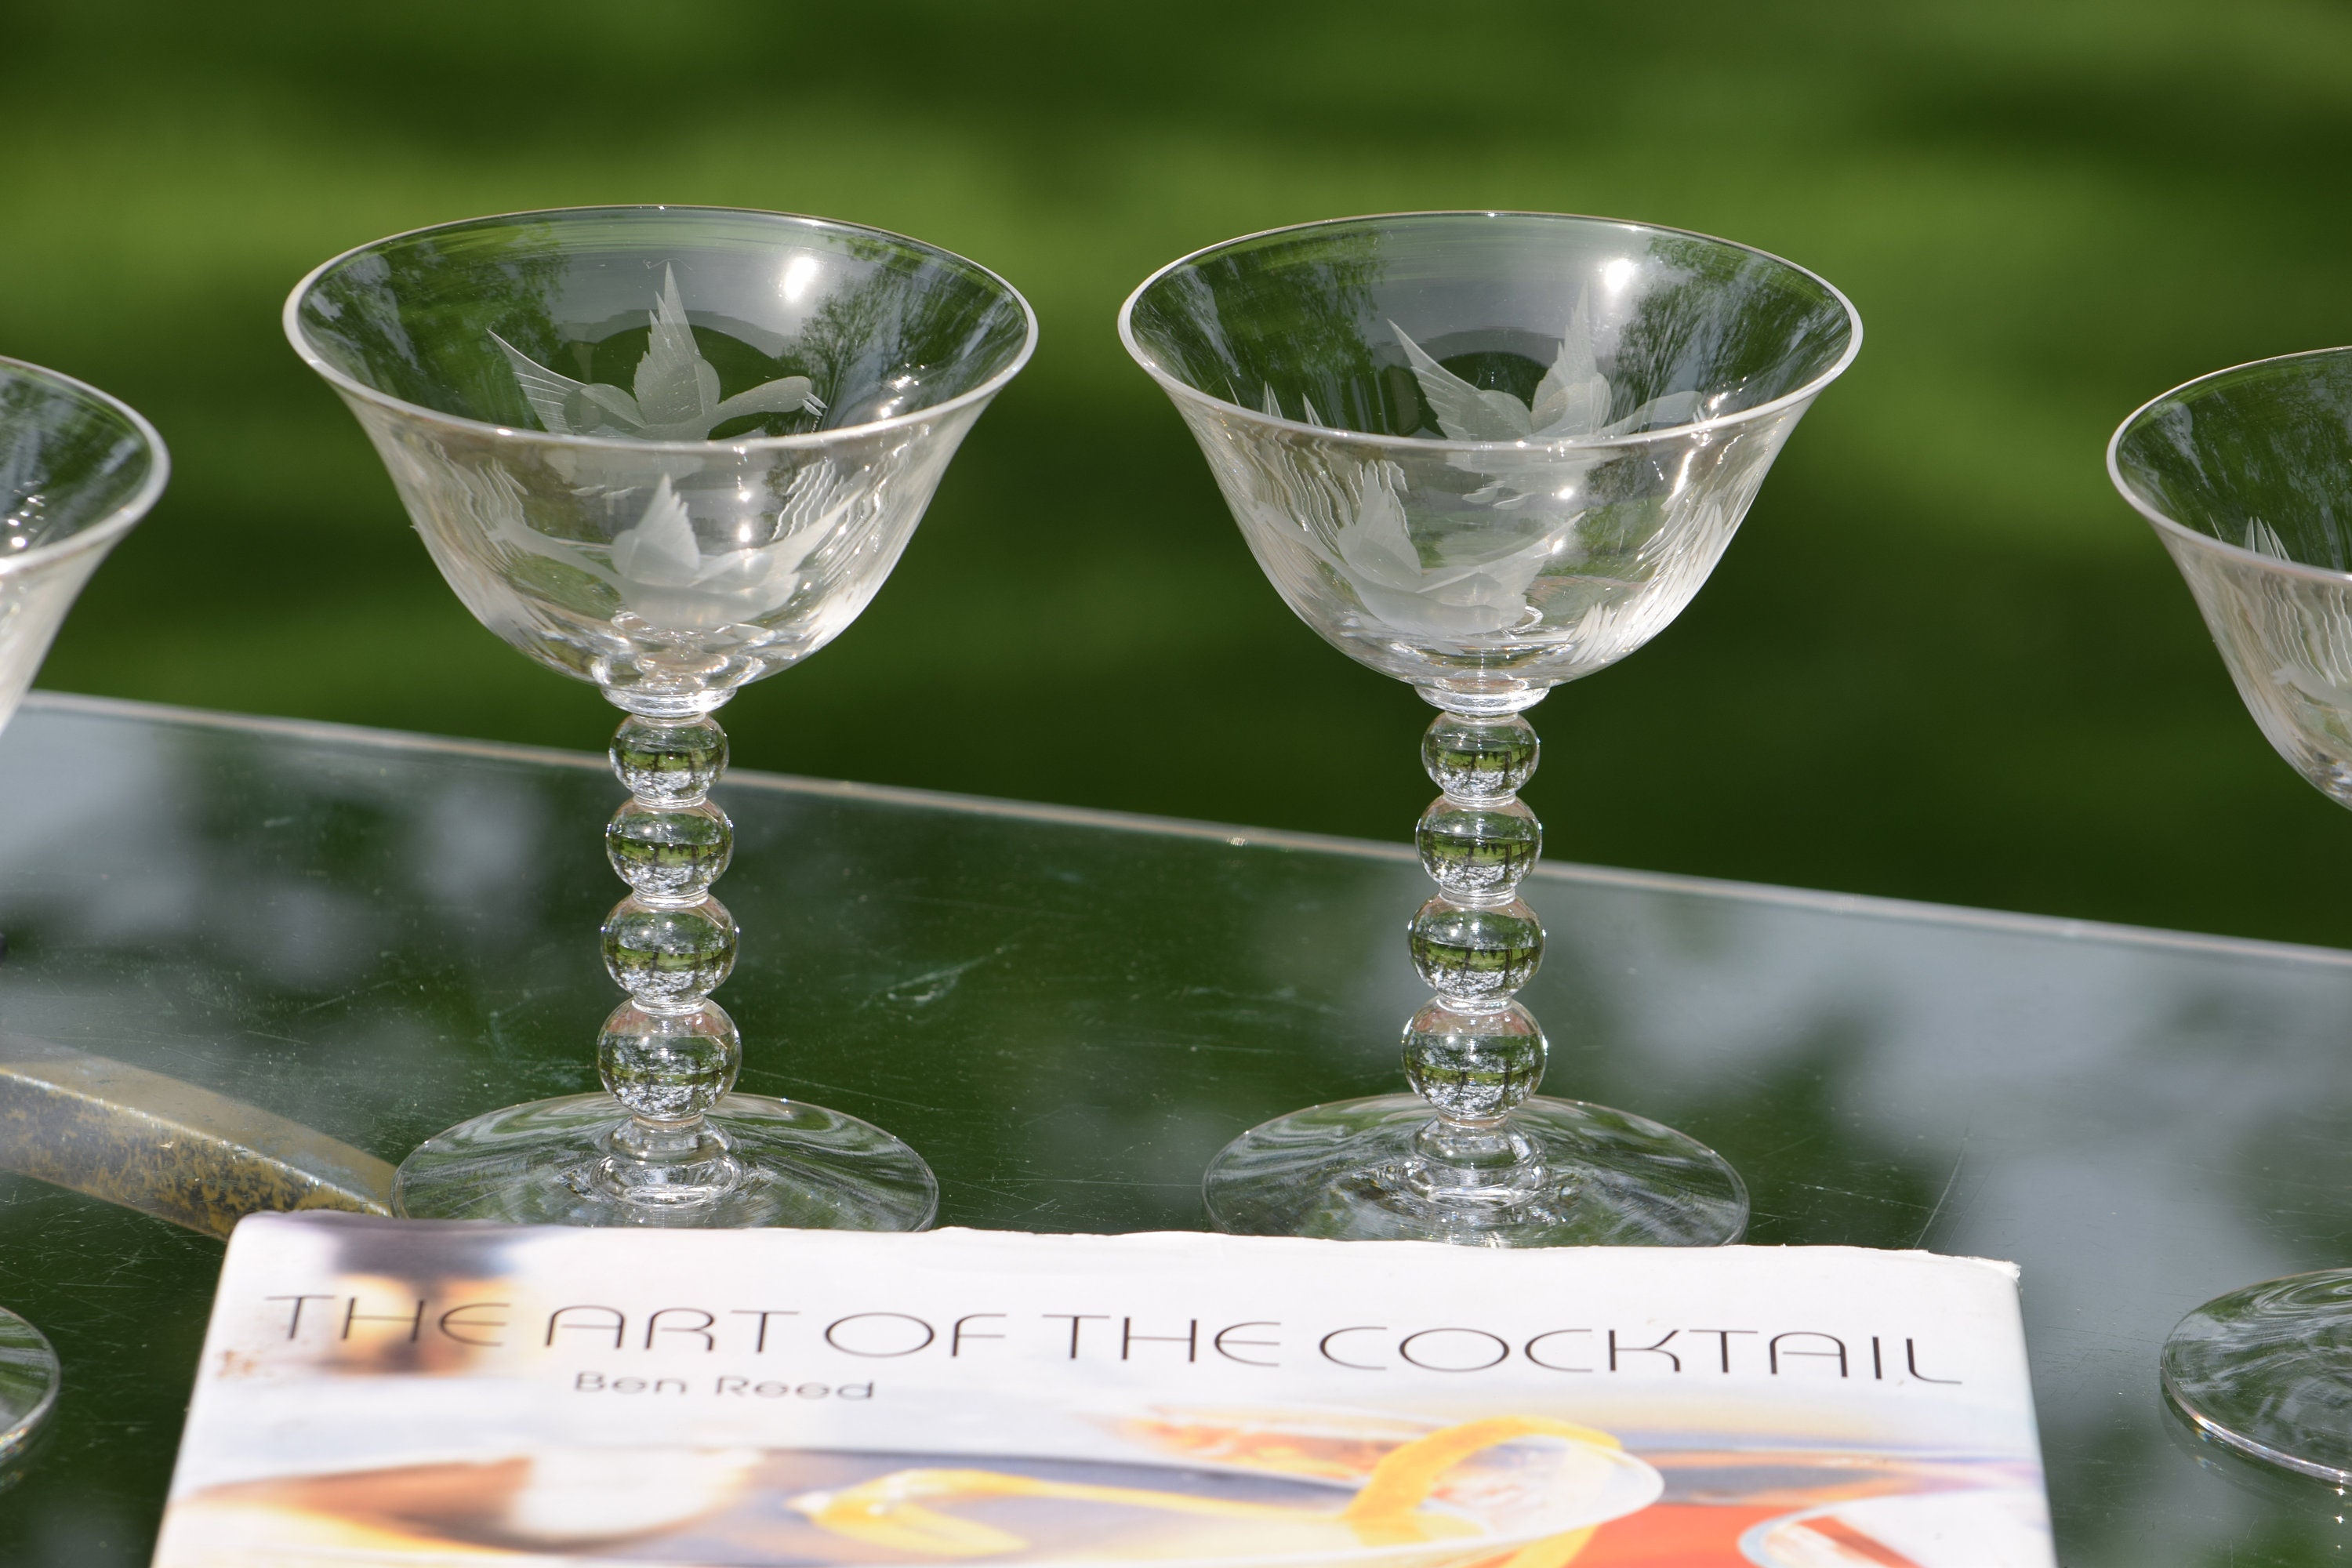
666	578
2306	628
1571	402
657	567
1354	517
1523	547
675	395
1462	582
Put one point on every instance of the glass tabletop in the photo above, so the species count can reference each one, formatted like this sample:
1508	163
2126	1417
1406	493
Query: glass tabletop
313	947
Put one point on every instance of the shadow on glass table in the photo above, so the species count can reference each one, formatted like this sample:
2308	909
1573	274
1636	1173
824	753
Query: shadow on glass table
250	961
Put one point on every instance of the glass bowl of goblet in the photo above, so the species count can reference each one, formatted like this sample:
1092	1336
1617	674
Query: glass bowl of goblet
669	451
2246	477
1486	454
77	470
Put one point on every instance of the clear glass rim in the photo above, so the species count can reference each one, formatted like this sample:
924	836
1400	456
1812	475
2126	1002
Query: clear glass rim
1183	390
2169	527
350	386
103	532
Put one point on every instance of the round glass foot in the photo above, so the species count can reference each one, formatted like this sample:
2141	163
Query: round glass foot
2268	1371
1559	1173
581	1159
28	1390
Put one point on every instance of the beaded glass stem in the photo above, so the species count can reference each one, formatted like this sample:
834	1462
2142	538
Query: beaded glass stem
671	451
1486	452
687	1149
1472	1154
670	1052
669	1144
1473	1052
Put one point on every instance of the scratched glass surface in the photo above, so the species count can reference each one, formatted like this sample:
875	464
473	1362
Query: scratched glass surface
372	934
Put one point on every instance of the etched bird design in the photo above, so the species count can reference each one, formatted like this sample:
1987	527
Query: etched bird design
1476	585
666	577
674	395
1571	402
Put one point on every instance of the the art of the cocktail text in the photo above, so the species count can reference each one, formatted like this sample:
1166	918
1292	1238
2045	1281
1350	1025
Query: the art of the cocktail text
1163	1336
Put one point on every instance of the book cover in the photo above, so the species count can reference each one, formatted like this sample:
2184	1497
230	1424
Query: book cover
383	1391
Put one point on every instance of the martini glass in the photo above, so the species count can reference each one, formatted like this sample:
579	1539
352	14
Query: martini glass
2246	475
78	469
669	450
1485	453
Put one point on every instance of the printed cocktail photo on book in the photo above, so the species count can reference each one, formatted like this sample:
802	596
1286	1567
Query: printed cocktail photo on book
382	1391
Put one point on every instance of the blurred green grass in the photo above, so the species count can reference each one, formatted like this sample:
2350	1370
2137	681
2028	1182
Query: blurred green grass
1942	660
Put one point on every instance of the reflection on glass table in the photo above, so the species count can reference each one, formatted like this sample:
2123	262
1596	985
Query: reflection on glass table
332	944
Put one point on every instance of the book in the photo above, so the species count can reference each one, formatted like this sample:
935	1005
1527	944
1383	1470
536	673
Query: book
429	1393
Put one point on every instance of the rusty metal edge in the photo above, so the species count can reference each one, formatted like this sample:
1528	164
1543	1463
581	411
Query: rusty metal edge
167	1148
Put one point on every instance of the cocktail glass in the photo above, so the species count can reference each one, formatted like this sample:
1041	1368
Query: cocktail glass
1485	453
2246	476
669	450
78	469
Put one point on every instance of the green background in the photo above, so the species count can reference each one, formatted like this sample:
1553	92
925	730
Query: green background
1942	661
